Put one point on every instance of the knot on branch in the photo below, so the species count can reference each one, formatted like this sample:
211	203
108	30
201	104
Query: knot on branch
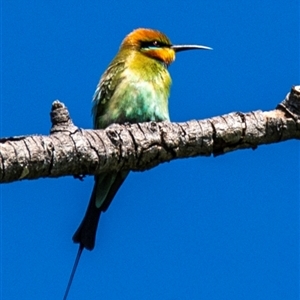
291	104
60	118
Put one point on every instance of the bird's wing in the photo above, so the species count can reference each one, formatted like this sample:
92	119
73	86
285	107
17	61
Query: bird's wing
105	90
106	184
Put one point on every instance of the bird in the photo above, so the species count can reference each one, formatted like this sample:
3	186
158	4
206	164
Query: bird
134	88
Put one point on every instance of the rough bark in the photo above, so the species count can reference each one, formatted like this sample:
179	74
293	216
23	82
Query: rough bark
70	150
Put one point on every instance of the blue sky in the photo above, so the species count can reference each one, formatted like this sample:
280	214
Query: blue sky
201	228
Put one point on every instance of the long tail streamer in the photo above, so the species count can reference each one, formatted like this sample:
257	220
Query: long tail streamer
80	249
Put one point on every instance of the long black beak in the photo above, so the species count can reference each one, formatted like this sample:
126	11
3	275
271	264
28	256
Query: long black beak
178	48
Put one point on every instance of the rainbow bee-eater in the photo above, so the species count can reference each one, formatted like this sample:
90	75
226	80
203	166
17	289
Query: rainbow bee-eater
134	88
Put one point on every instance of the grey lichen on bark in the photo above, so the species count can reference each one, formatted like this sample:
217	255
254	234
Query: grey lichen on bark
70	150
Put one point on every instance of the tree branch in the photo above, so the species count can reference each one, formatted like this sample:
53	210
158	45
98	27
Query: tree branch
70	150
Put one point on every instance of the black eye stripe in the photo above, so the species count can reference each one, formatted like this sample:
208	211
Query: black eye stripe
155	43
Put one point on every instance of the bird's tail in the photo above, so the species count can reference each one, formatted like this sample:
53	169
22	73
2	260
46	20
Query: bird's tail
105	187
86	233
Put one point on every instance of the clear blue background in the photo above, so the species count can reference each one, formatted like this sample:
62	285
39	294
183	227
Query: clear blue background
201	228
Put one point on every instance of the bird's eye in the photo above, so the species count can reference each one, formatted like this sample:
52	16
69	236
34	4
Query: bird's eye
155	43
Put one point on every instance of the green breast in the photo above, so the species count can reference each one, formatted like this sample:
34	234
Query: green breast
132	90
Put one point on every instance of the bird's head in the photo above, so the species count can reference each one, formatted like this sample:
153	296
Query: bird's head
155	44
